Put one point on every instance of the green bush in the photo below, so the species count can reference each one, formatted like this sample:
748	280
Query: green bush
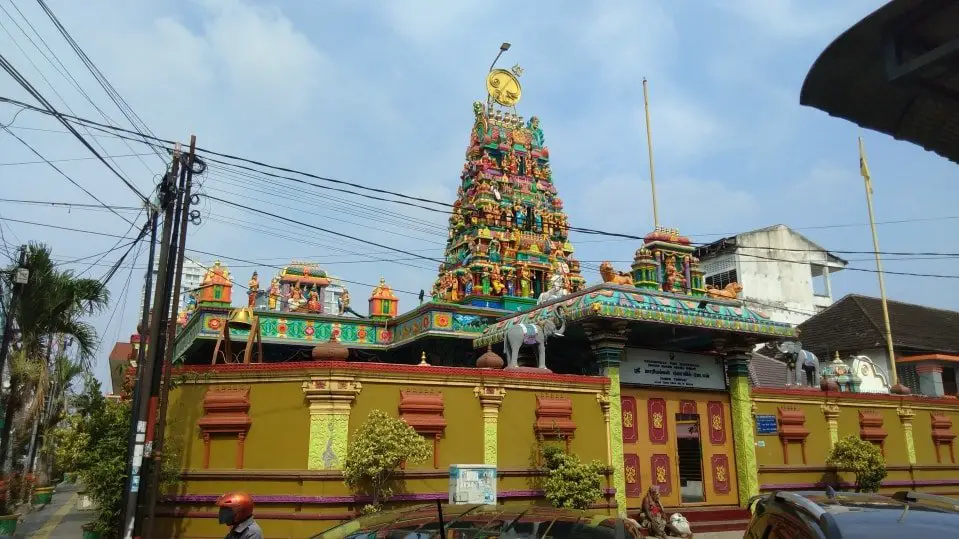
569	483
862	458
380	447
94	445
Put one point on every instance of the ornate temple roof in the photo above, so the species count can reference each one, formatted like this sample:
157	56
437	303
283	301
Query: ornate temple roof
304	273
217	274
383	291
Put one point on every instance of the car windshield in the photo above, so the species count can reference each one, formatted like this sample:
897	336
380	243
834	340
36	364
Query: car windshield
482	521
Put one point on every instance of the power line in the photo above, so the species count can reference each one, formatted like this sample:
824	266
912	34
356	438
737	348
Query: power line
112	93
19	163
67	204
328	231
65	175
401	195
39	97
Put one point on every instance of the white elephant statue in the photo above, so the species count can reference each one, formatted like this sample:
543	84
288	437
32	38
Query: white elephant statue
803	365
536	334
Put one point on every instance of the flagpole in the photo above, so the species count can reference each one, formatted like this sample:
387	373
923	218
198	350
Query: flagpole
649	146
895	387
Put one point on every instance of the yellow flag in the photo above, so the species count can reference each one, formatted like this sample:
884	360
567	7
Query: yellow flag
864	167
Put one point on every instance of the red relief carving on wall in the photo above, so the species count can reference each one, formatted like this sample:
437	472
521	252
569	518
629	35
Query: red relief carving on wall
870	428
554	418
631	471
656	409
717	422
721	471
630	429
225	412
792	428
942	434
662	473
424	412
688	407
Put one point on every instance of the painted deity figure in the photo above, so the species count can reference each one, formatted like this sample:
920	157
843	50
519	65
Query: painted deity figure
510	286
524	282
274	293
254	286
538	216
519	215
344	301
313	303
495	255
467	280
496	281
533	125
486	162
296	296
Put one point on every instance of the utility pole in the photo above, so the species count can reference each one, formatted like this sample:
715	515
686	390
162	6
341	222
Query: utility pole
135	442
165	368
20	278
145	404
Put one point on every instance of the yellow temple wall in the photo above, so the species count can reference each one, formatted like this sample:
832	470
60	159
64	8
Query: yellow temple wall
301	415
790	460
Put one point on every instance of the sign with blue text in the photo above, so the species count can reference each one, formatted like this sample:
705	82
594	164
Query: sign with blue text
766	424
672	369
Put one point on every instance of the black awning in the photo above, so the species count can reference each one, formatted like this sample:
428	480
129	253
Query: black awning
896	72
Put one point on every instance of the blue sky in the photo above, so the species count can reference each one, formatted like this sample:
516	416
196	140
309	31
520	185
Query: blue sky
380	93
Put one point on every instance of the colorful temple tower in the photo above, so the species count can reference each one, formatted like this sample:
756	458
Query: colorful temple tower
216	290
384	304
508	234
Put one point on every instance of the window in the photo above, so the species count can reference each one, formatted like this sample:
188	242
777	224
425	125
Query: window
820	280
949	381
720	280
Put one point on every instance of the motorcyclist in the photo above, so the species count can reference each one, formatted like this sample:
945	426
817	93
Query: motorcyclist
236	511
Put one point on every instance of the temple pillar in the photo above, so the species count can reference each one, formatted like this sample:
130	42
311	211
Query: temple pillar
608	339
330	398
740	401
491	398
831	413
906	415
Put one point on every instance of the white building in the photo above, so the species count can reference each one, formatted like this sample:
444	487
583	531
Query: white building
331	296
193	274
783	273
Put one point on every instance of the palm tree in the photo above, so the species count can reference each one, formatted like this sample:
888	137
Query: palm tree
53	303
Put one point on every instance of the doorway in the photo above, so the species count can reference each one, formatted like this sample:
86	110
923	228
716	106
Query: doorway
690	458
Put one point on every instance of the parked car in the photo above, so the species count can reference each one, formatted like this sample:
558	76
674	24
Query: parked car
484	521
842	515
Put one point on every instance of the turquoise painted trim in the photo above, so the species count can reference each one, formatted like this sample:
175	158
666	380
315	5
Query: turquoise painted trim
621	303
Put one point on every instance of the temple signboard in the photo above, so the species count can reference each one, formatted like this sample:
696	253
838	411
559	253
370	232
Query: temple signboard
672	369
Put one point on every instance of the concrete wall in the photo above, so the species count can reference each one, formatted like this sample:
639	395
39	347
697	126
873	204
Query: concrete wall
903	418
284	450
782	287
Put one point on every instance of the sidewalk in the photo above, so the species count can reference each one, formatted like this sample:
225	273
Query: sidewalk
59	520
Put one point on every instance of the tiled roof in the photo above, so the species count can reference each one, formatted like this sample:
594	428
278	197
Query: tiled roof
765	371
855	322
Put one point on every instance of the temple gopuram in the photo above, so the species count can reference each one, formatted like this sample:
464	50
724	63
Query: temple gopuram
644	368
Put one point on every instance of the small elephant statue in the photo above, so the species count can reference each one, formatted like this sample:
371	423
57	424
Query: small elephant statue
803	365
537	334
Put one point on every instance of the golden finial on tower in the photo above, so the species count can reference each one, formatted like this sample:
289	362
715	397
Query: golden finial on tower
423	362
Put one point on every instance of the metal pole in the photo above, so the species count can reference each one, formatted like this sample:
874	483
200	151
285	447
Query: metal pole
867	179
160	298
135	441
649	146
153	486
11	311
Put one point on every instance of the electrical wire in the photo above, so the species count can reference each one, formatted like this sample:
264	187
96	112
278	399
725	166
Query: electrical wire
12	71
65	175
20	163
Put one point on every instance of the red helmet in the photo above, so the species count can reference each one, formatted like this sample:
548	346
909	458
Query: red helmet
235	507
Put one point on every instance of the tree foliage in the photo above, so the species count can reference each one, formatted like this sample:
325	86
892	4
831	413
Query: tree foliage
862	458
570	483
93	443
380	447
